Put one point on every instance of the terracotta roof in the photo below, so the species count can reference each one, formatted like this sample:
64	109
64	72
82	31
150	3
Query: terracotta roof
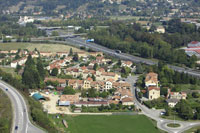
71	98
153	88
89	79
127	99
101	70
113	101
73	81
108	74
151	76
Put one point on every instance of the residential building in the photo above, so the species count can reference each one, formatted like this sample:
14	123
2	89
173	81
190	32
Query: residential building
153	92
126	64
151	79
75	83
20	62
68	100
172	102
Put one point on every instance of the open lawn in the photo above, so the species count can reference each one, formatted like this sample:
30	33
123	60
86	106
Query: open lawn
5	113
39	46
107	124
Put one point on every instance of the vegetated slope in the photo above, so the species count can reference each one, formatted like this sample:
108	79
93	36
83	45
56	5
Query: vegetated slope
5	113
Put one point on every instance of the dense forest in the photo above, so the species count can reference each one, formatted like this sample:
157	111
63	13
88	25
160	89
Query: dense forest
135	40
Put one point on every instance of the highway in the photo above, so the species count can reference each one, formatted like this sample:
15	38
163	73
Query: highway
20	111
77	41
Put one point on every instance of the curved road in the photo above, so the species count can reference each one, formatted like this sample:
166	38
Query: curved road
20	113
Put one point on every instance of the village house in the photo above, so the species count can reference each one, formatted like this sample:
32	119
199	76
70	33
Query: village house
56	64
95	54
172	102
107	76
81	54
61	54
127	101
87	83
160	29
66	100
176	95
126	64
46	54
72	71
153	92
20	62
75	83
4	52
151	79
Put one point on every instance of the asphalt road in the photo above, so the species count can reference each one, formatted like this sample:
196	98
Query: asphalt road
155	114
77	41
20	112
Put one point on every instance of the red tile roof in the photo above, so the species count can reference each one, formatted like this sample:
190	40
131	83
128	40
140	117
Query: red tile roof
153	88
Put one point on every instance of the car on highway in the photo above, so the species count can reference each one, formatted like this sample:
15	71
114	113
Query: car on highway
16	127
118	51
6	89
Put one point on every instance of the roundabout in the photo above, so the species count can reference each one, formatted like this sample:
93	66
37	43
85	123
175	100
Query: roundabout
173	125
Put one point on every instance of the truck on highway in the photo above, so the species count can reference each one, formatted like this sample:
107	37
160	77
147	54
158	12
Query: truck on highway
90	40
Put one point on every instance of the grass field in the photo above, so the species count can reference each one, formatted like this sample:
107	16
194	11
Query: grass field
5	113
39	46
107	124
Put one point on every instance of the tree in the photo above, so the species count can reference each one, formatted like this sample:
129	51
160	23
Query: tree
92	92
184	110
69	90
93	77
139	69
18	68
70	52
30	76
119	63
95	67
54	72
40	69
75	58
54	33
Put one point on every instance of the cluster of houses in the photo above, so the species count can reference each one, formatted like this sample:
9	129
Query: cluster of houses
123	96
103	82
153	90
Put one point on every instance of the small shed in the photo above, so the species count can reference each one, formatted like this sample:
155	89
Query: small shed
38	96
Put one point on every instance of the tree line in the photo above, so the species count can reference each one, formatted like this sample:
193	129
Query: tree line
135	40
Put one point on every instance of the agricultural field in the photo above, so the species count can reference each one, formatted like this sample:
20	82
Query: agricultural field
5	113
40	46
106	124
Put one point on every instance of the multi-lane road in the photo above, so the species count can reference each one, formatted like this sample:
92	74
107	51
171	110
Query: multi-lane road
20	111
77	41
